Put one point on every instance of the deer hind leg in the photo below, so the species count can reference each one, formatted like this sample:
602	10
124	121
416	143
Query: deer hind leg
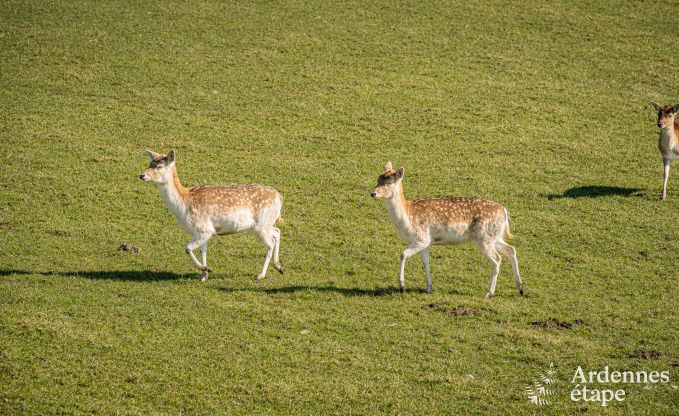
199	241
491	253
666	175
510	252
276	262
266	236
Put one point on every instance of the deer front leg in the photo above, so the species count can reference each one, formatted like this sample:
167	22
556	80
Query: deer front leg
203	252
666	175
425	262
413	249
196	241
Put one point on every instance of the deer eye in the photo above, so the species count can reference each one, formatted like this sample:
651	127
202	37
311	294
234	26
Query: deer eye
160	166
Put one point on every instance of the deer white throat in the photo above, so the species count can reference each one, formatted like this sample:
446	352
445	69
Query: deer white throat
396	205
174	198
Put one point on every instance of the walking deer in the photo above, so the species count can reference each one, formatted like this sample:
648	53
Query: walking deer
668	143
451	220
206	210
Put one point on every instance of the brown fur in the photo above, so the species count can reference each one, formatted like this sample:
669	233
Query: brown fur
453	210
238	196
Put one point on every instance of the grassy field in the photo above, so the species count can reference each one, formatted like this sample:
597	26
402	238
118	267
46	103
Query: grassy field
541	106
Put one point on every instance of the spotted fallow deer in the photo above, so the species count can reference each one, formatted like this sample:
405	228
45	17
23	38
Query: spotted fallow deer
668	143
451	220
206	210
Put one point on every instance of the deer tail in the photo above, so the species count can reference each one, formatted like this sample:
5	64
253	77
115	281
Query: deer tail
508	232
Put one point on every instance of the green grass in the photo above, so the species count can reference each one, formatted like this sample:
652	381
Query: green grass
538	106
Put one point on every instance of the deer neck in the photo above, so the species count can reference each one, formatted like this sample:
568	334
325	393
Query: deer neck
669	132
397	206
175	195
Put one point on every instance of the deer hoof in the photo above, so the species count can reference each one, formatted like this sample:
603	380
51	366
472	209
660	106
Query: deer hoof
402	289
258	278
279	267
522	292
487	295
203	276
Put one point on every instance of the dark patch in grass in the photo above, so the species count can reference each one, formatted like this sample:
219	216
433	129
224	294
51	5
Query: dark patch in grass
459	311
555	323
4	225
467	311
346	291
58	233
595	191
110	275
644	354
430	307
129	248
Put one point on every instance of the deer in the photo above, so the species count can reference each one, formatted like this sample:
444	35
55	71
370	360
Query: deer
207	210
446	221
668	142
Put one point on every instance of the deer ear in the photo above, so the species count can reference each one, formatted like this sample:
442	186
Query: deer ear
388	167
655	105
153	155
170	156
675	109
399	173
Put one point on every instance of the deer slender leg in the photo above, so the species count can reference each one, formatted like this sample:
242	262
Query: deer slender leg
413	249
666	175
276	262
495	258
269	241
196	242
425	261
510	252
203	252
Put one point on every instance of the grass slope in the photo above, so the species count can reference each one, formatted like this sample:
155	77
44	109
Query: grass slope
544	107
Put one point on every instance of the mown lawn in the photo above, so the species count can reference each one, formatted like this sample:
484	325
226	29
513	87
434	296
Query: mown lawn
541	106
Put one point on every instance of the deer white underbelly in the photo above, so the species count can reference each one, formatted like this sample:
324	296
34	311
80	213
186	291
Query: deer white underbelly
451	234
233	221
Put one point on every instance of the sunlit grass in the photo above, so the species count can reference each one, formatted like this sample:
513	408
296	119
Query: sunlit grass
543	107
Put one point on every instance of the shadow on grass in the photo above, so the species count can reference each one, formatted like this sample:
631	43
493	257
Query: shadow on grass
146	276
595	191
139	276
345	291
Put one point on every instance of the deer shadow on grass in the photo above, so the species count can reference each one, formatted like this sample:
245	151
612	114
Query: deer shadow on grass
345	291
134	276
596	191
149	276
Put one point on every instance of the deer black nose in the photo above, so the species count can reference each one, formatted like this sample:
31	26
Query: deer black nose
141	176
373	194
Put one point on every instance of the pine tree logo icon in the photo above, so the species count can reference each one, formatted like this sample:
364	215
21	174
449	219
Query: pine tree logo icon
542	387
